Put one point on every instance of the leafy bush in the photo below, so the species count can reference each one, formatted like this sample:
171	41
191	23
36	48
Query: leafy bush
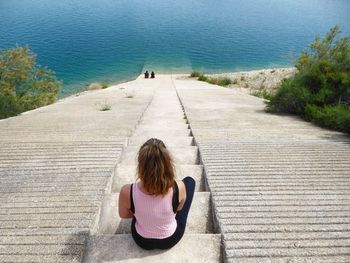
203	78
289	98
195	74
321	88
224	82
221	81
24	85
8	105
336	117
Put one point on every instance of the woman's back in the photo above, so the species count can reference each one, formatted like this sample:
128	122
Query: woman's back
154	214
158	204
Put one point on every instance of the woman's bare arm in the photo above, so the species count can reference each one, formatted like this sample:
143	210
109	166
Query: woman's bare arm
182	194
124	202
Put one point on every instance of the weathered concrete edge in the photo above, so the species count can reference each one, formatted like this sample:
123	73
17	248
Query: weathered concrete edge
212	207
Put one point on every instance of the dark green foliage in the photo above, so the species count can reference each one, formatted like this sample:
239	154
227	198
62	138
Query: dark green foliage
221	81
321	88
336	117
224	82
289	98
24	85
9	105
203	78
195	74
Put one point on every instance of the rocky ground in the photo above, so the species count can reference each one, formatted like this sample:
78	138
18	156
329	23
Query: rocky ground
257	81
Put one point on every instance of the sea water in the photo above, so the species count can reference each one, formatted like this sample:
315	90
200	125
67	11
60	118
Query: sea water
111	41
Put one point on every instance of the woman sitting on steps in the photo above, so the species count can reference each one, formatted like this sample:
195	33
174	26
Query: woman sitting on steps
158	203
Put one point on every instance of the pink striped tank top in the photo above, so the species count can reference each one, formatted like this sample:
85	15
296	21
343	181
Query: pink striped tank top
155	217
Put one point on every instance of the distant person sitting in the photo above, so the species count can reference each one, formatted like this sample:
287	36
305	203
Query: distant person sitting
152	75
146	74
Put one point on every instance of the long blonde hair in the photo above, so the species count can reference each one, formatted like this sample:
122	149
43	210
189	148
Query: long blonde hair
155	167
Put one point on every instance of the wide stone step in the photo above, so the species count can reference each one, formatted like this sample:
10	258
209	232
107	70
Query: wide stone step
199	218
160	125
42	249
126	174
155	132
162	121
181	155
47	258
284	259
169	141
288	252
122	248
163	115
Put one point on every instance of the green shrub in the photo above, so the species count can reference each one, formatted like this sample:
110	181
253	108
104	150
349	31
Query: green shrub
104	86
203	78
334	117
24	85
9	105
216	81
289	98
213	81
195	74
322	81
224	82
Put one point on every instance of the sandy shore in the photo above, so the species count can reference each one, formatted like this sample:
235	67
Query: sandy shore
257	80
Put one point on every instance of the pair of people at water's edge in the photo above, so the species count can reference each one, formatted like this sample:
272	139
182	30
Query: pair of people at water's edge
147	74
157	203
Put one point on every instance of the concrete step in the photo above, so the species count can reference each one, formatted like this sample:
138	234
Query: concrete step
47	258
162	121
154	133
163	115
171	119
181	155
163	125
199	218
126	174
122	248
169	141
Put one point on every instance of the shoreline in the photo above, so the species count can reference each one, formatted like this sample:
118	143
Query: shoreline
247	81
252	82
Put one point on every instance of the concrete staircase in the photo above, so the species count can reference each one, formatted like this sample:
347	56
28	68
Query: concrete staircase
111	240
280	186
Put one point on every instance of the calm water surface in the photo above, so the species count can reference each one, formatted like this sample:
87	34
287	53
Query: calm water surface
111	41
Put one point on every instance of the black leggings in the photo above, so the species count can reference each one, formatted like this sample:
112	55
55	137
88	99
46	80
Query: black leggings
181	219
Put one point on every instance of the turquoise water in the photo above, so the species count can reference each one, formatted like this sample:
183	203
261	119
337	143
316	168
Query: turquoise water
111	41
